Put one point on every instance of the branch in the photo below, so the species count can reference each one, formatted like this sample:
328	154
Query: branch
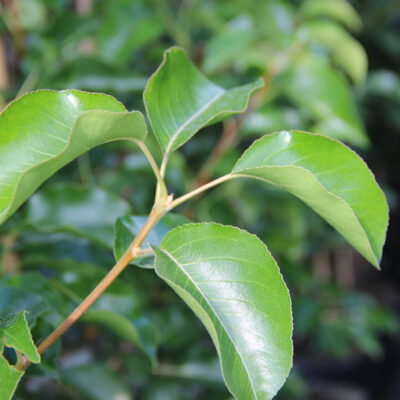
199	190
161	192
133	251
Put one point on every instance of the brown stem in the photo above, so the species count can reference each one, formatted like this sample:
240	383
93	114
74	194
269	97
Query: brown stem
133	251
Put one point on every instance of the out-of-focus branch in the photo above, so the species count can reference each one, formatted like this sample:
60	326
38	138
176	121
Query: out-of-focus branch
4	75
83	7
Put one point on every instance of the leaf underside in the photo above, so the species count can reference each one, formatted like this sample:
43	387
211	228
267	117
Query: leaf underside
230	280
45	130
330	178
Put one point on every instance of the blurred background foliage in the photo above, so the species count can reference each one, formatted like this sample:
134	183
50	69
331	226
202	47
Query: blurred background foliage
330	66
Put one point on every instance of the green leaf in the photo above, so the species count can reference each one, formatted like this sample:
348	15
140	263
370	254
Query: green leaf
222	49
340	10
180	100
15	333
230	280
128	227
14	300
9	378
346	52
138	331
96	382
87	211
45	130
331	103
327	176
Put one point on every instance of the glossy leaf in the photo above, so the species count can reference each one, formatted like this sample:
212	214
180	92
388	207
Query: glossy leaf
340	10
139	332
327	176
87	211
180	100
9	378
230	280
331	104
126	229
44	130
346	52
15	333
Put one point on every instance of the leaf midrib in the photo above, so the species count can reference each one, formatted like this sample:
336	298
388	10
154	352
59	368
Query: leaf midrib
207	105
216	315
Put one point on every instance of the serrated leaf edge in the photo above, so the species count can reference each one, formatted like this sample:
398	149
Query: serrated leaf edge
31	339
174	284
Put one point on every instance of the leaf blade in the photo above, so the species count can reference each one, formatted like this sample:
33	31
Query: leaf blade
17	335
44	130
224	262
179	100
9	378
330	178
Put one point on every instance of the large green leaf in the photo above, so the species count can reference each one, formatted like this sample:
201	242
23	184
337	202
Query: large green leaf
65	207
180	100
327	176
316	87
230	280
44	130
15	333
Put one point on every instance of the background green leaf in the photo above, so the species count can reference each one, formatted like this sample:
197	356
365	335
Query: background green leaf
96	382
340	10
346	52
331	105
138	331
65	207
230	280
